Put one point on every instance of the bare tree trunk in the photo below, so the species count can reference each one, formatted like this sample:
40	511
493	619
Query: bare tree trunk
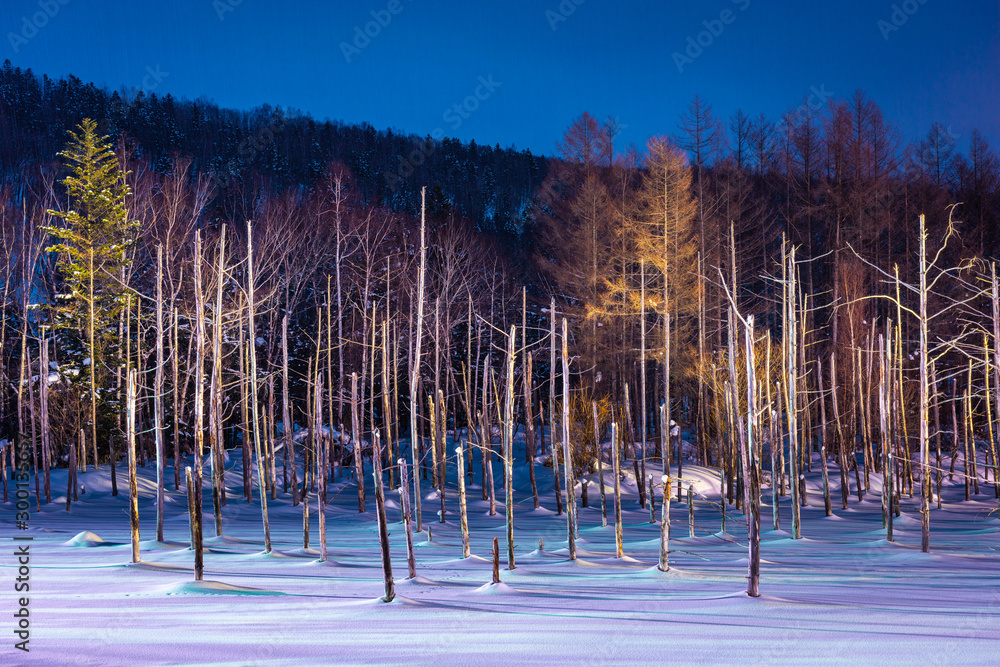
461	502
702	398
199	397
883	409
215	395
286	413
937	429
508	430
438	426
552	405
436	449
43	405
665	427
995	294
133	487
750	496
383	529
792	373
158	395
340	315
823	439
496	561
925	526
664	564
323	443
305	516
404	501
630	430
415	370
359	466
642	362
600	465
568	458
487	440
841	458
254	403
619	552
195	522
70	475
175	367
386	402
271	437
244	412
529	424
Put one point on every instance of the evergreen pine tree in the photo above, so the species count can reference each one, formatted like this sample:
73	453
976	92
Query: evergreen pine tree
94	249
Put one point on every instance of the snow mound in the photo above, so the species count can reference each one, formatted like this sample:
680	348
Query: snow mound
85	539
416	581
213	588
496	589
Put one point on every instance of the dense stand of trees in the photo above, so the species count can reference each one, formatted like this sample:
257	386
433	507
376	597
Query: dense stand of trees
333	303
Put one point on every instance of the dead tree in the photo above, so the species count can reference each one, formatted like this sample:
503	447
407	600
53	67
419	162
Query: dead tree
568	454
461	503
664	564
508	431
404	501
158	395
254	404
133	487
619	551
415	370
194	518
383	528
359	468
600	465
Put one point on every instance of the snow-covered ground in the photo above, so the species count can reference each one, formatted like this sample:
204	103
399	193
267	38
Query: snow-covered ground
842	594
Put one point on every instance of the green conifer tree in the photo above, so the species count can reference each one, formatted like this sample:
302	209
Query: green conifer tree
94	246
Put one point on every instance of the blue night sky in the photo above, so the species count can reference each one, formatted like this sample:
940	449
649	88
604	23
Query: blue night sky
546	66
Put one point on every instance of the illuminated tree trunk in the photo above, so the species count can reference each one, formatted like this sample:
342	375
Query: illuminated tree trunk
619	552
823	439
158	395
404	501
461	503
133	487
415	370
552	406
194	519
600	466
568	455
508	430
254	403
383	529
750	496
359	466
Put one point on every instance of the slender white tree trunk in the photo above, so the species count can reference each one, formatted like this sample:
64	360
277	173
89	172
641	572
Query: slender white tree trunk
133	486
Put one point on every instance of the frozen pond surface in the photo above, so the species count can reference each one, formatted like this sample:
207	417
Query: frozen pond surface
841	594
